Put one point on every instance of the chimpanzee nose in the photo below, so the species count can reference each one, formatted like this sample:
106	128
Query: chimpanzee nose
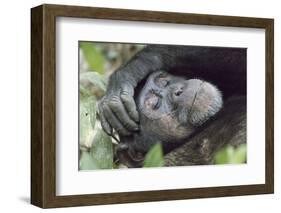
178	91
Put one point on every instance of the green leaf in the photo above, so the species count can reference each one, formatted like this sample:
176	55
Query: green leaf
154	157
86	161
95	79
102	150
84	91
222	156
231	155
240	155
93	56
87	120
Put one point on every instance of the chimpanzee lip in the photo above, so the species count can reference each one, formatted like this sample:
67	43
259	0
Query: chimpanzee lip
200	118
195	96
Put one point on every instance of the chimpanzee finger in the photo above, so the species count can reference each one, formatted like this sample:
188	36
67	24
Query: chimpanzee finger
105	125
115	123
118	109
127	97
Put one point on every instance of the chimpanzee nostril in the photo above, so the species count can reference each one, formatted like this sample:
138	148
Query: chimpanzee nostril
178	92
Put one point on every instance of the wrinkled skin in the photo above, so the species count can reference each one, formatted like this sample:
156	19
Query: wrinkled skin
223	67
171	109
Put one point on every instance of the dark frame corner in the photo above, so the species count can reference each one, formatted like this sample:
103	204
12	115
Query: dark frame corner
43	105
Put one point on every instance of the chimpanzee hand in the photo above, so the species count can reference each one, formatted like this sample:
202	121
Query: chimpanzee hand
117	109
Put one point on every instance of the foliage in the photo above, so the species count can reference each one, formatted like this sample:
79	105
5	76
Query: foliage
154	157
87	120
98	61
96	148
94	78
102	150
92	84
100	155
86	161
93	57
231	155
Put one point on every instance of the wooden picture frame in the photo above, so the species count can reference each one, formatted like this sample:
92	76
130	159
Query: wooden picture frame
43	105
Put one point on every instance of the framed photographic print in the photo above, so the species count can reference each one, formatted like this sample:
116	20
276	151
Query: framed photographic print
135	106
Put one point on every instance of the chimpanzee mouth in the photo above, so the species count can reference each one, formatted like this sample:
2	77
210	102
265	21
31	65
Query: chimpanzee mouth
206	105
194	98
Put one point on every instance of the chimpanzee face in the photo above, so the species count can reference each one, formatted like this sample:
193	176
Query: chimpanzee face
171	108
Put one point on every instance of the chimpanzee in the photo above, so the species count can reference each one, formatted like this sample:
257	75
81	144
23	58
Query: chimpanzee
186	114
203	67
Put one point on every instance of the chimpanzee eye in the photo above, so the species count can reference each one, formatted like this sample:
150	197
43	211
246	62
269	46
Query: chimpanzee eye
158	104
162	75
153	100
162	82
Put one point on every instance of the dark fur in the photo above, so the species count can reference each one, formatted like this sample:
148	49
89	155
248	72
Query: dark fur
223	67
